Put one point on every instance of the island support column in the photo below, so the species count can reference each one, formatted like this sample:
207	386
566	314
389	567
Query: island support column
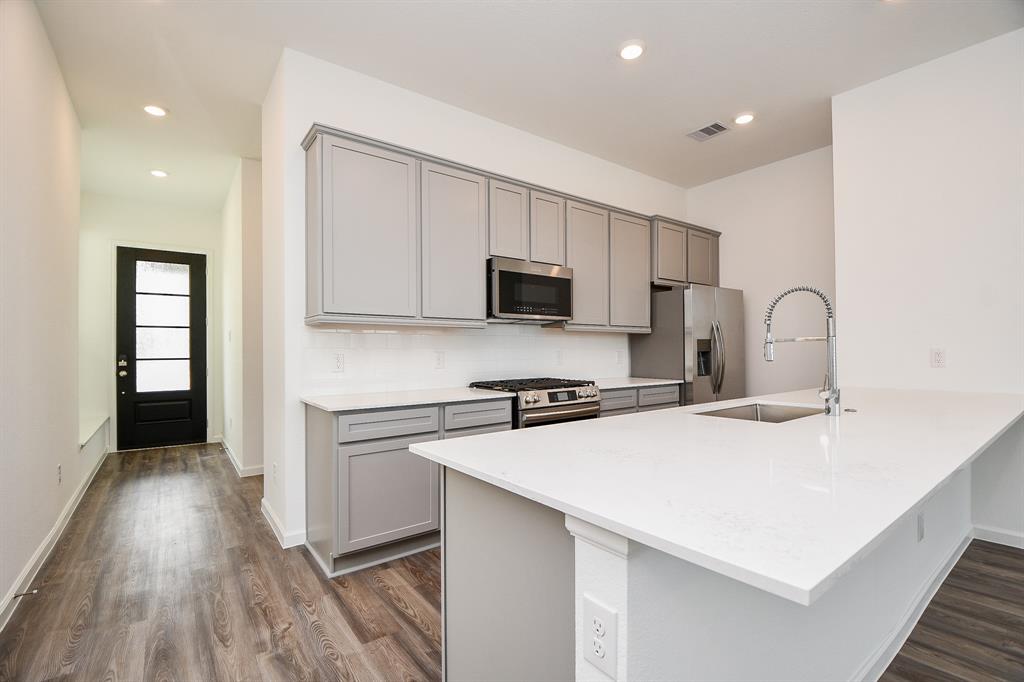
601	578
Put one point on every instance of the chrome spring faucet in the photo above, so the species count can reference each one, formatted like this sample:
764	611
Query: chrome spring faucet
830	391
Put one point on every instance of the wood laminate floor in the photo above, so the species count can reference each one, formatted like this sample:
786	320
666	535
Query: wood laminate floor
973	629
168	571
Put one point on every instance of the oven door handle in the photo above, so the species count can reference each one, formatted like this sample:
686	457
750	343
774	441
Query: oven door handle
539	416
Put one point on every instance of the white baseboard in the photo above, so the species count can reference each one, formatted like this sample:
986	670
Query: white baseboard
239	469
1001	536
286	540
876	664
42	553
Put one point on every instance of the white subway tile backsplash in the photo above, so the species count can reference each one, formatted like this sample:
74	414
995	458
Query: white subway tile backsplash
396	358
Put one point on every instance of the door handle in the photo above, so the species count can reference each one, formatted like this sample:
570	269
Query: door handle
721	355
122	373
716	354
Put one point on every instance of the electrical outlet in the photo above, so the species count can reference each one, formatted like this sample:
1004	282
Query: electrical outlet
439	359
339	363
603	622
620	357
937	358
275	472
558	357
60	475
920	527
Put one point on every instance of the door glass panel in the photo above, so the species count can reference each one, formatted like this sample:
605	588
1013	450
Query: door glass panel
161	311
161	342
162	375
161	278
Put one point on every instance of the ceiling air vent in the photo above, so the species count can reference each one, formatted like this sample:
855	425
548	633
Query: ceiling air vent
708	131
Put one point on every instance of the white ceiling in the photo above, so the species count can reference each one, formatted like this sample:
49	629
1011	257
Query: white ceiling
547	67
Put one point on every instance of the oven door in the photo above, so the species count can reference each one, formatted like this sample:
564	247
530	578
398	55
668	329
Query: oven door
557	414
529	291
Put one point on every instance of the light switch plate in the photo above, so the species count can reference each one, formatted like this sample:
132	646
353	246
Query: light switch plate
601	636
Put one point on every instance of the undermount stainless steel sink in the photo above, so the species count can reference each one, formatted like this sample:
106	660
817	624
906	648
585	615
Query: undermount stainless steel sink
764	412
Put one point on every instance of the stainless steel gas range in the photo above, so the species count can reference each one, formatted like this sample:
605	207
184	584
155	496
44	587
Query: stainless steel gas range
548	401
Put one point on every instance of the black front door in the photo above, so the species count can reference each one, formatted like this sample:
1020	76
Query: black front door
161	348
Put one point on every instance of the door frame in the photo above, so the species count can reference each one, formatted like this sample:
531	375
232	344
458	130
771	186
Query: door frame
213	380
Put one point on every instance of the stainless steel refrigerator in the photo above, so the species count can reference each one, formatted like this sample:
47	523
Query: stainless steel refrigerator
696	335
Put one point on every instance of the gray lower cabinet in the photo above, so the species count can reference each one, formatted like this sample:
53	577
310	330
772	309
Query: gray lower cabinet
391	493
454	234
508	220
682	253
587	255
547	228
650	397
626	400
368	498
618	401
630	289
361	214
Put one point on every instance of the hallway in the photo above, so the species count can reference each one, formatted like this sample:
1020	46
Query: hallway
167	571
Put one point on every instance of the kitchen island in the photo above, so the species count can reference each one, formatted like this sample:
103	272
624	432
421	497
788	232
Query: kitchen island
714	548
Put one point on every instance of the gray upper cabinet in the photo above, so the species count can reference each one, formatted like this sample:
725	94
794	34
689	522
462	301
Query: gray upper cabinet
509	220
365	218
547	228
669	251
682	253
454	224
587	255
700	257
630	288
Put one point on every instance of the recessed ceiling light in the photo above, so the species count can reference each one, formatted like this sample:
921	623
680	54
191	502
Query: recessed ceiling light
744	119
157	173
154	110
631	50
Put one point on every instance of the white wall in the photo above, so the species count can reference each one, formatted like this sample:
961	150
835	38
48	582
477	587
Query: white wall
241	219
299	359
777	232
111	221
39	203
929	192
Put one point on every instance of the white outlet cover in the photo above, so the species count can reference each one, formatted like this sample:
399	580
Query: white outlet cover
937	358
598	617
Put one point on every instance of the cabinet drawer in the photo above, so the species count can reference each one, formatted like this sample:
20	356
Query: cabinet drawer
385	493
619	399
663	406
615	413
659	395
468	415
387	424
492	428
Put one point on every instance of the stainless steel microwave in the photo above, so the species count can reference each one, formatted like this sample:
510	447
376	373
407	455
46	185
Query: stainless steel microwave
518	290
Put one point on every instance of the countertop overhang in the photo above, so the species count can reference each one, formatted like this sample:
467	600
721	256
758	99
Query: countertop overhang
786	508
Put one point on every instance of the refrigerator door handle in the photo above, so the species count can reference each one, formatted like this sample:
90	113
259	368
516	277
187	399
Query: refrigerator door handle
720	363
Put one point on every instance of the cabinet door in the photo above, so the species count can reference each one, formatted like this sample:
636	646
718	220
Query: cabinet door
587	255
509	224
699	257
630	271
547	228
385	493
454	216
369	255
670	253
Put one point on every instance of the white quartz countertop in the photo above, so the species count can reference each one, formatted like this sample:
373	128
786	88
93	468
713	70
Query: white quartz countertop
611	383
782	507
426	396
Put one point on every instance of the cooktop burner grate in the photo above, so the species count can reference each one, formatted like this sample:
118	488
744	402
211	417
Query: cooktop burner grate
516	385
